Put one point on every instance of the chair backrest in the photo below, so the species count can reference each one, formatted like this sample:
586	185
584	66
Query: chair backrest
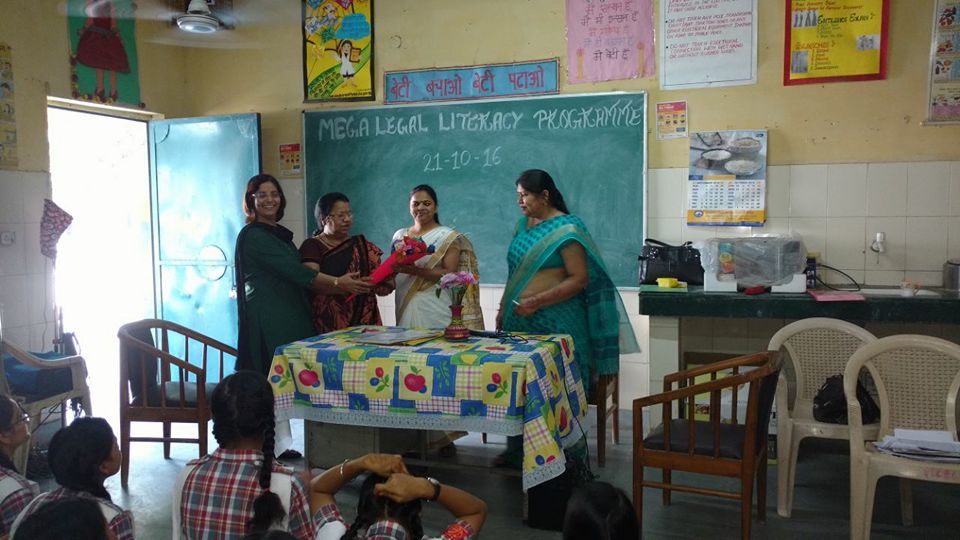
917	380
818	348
179	355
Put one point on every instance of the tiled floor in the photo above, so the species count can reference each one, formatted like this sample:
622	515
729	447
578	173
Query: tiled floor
820	508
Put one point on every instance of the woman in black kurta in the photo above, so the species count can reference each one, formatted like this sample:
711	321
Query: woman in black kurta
271	283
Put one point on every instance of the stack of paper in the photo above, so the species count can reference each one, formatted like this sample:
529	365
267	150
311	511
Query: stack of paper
921	444
397	336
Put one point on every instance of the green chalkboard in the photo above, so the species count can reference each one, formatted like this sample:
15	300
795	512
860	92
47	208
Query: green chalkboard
593	145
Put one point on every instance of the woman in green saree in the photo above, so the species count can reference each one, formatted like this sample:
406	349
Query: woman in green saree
558	284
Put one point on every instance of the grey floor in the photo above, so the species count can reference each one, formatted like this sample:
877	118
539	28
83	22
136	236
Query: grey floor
820	507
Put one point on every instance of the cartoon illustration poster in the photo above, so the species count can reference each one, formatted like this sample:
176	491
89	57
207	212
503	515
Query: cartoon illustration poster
337	50
103	51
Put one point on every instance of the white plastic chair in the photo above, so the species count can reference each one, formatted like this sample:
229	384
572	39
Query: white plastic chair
817	348
917	378
35	405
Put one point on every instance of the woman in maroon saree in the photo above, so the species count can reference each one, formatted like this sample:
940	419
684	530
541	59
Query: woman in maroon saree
334	252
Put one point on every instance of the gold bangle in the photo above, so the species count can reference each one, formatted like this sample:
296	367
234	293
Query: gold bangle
345	460
336	283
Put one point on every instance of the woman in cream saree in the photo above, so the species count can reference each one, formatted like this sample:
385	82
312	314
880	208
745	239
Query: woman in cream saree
417	304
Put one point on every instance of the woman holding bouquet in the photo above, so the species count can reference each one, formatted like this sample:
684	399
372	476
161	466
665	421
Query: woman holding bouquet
557	284
417	302
334	252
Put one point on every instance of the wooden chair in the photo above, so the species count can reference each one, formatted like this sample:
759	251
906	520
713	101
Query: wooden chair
150	393
606	396
725	448
57	380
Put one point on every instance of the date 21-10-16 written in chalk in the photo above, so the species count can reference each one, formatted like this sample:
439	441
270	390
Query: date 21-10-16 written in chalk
461	159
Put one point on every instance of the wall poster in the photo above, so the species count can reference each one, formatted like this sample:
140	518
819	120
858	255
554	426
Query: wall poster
337	50
8	112
727	181
830	41
103	51
671	120
944	96
609	40
708	43
514	79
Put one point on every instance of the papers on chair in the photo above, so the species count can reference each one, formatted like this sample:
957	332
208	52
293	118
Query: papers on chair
397	336
926	445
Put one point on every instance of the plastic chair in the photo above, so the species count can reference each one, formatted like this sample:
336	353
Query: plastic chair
917	378
718	447
817	348
150	393
46	381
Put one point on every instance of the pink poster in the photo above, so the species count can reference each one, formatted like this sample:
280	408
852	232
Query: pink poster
609	39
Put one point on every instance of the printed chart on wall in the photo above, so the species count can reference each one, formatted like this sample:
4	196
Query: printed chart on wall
337	50
944	101
708	43
728	171
830	41
8	119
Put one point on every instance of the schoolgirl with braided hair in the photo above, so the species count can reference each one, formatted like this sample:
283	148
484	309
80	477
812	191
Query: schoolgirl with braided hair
390	503
16	492
82	456
239	489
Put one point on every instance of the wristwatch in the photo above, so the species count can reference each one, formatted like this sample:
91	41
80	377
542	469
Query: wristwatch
436	489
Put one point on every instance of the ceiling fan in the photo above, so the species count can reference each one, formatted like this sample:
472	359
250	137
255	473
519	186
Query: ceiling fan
200	19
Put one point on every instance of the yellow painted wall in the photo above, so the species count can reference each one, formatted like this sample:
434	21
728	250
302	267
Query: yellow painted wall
829	123
37	32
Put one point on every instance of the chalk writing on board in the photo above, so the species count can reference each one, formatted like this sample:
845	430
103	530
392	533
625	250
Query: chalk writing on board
461	159
622	113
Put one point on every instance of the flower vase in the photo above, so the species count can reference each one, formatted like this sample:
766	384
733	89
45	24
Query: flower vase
456	331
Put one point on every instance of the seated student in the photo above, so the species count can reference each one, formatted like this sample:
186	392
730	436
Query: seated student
239	489
270	535
82	456
16	492
390	502
77	518
599	510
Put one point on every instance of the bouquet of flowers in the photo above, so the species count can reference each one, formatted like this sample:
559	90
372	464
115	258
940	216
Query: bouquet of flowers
406	250
457	283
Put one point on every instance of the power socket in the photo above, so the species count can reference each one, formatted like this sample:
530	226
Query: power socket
8	238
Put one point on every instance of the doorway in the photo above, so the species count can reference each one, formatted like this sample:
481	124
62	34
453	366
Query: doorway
99	167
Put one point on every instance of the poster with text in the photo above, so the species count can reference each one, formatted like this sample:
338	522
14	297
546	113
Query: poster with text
103	51
727	180
831	41
944	100
708	43
671	120
8	118
337	50
609	40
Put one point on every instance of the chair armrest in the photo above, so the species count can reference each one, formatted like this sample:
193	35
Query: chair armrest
748	360
163	356
690	391
30	359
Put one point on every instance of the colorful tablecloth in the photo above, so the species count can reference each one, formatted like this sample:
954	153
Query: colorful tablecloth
531	388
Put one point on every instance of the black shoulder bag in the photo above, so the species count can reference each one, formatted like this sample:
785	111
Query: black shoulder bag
830	404
659	259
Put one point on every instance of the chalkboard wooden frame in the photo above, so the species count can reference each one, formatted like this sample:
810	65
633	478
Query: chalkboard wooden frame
594	146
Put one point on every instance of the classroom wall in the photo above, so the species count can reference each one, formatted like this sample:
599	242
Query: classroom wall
829	123
37	32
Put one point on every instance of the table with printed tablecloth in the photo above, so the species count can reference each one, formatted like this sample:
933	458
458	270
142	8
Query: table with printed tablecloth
528	386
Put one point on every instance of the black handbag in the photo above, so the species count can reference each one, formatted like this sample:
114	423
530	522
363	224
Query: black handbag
830	403
658	259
